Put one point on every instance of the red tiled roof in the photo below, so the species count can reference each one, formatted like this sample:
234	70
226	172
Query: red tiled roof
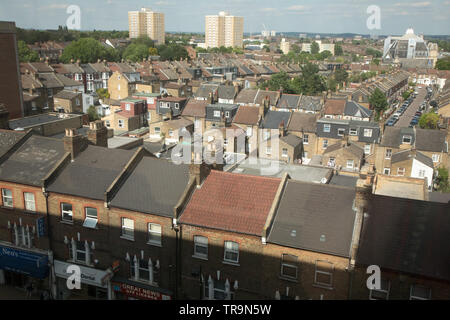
232	202
247	115
335	106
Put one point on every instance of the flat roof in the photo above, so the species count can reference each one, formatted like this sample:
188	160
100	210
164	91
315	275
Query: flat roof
37	120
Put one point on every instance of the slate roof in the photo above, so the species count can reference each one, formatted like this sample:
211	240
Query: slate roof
91	173
392	136
205	89
226	92
232	202
352	148
32	161
309	103
431	140
408	154
289	101
8	138
302	122
406	235
195	108
155	186
315	217
356	110
50	80
246	96
291	140
273	119
66	94
262	94
247	115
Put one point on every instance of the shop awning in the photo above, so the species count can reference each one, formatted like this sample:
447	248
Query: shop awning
25	262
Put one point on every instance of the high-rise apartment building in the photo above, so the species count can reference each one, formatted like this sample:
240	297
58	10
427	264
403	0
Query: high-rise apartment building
147	23
224	30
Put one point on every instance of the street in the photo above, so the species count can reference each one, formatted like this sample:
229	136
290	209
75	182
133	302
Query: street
406	117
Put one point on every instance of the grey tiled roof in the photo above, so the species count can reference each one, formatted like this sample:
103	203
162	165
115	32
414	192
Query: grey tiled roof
315	217
7	139
91	173
32	161
273	119
155	186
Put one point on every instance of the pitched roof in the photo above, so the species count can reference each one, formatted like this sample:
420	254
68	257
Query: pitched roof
302	122
272	95
310	103
289	101
246	96
247	115
66	94
356	110
409	154
195	108
32	161
334	106
315	217
91	173
273	119
8	138
205	89
431	140
291	140
155	186
226	92
232	202
406	235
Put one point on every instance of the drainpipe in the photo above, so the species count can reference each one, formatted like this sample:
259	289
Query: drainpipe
52	276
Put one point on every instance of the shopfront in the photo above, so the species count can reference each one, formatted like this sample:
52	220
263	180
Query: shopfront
125	289
95	283
19	267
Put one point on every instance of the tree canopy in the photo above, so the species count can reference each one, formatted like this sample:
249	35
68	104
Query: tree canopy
338	50
443	64
25	53
315	47
378	101
88	50
429	120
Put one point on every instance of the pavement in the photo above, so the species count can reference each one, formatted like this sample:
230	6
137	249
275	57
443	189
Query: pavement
405	118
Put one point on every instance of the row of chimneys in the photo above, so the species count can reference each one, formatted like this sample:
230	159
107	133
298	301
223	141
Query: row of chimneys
75	143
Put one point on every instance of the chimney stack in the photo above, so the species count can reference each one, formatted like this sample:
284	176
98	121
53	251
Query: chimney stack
74	143
199	169
281	129
98	134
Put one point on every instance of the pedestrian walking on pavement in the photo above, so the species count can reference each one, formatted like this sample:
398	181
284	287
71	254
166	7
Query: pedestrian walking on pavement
29	289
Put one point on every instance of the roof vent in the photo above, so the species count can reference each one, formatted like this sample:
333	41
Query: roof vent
322	238
293	233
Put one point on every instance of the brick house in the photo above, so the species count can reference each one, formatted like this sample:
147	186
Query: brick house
120	86
131	115
344	155
220	233
303	125
195	110
67	101
248	118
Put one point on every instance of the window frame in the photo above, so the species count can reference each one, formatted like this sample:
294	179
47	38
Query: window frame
66	212
353	132
288	265
406	136
25	201
305	138
199	244
402	172
339	132
411	297
381	291
119	123
125	235
435	157
318	271
233	251
367	130
4	196
151	232
88	218
326	127
324	143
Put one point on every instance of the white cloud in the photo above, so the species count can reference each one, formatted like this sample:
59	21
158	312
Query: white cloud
267	9
54	6
297	8
413	4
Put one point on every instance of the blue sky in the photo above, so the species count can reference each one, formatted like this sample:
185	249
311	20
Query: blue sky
321	16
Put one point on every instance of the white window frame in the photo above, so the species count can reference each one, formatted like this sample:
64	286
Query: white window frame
127	106
352	164
202	242
388	171
157	130
127	232
325	143
217	113
367	149
353	132
4	196
305	138
90	221
108	123
388	154
177	106
231	250
249	131
407	136
401	171
268	150
227	114
30	205
340	130
154	233
435	157
326	127
66	213
121	123
368	133
283	153
285	264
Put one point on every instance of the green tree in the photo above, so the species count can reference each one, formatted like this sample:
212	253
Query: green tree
102	93
378	102
25	53
429	120
172	52
442	180
278	81
332	84
88	50
373	52
406	94
338	50
443	64
315	47
341	75
310	82
136	52
376	62
92	113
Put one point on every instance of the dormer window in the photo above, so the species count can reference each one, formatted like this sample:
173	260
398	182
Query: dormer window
341	132
227	114
407	139
368	133
177	106
127	107
217	113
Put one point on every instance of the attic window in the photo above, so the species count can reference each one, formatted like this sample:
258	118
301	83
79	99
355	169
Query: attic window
341	132
353	132
407	139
